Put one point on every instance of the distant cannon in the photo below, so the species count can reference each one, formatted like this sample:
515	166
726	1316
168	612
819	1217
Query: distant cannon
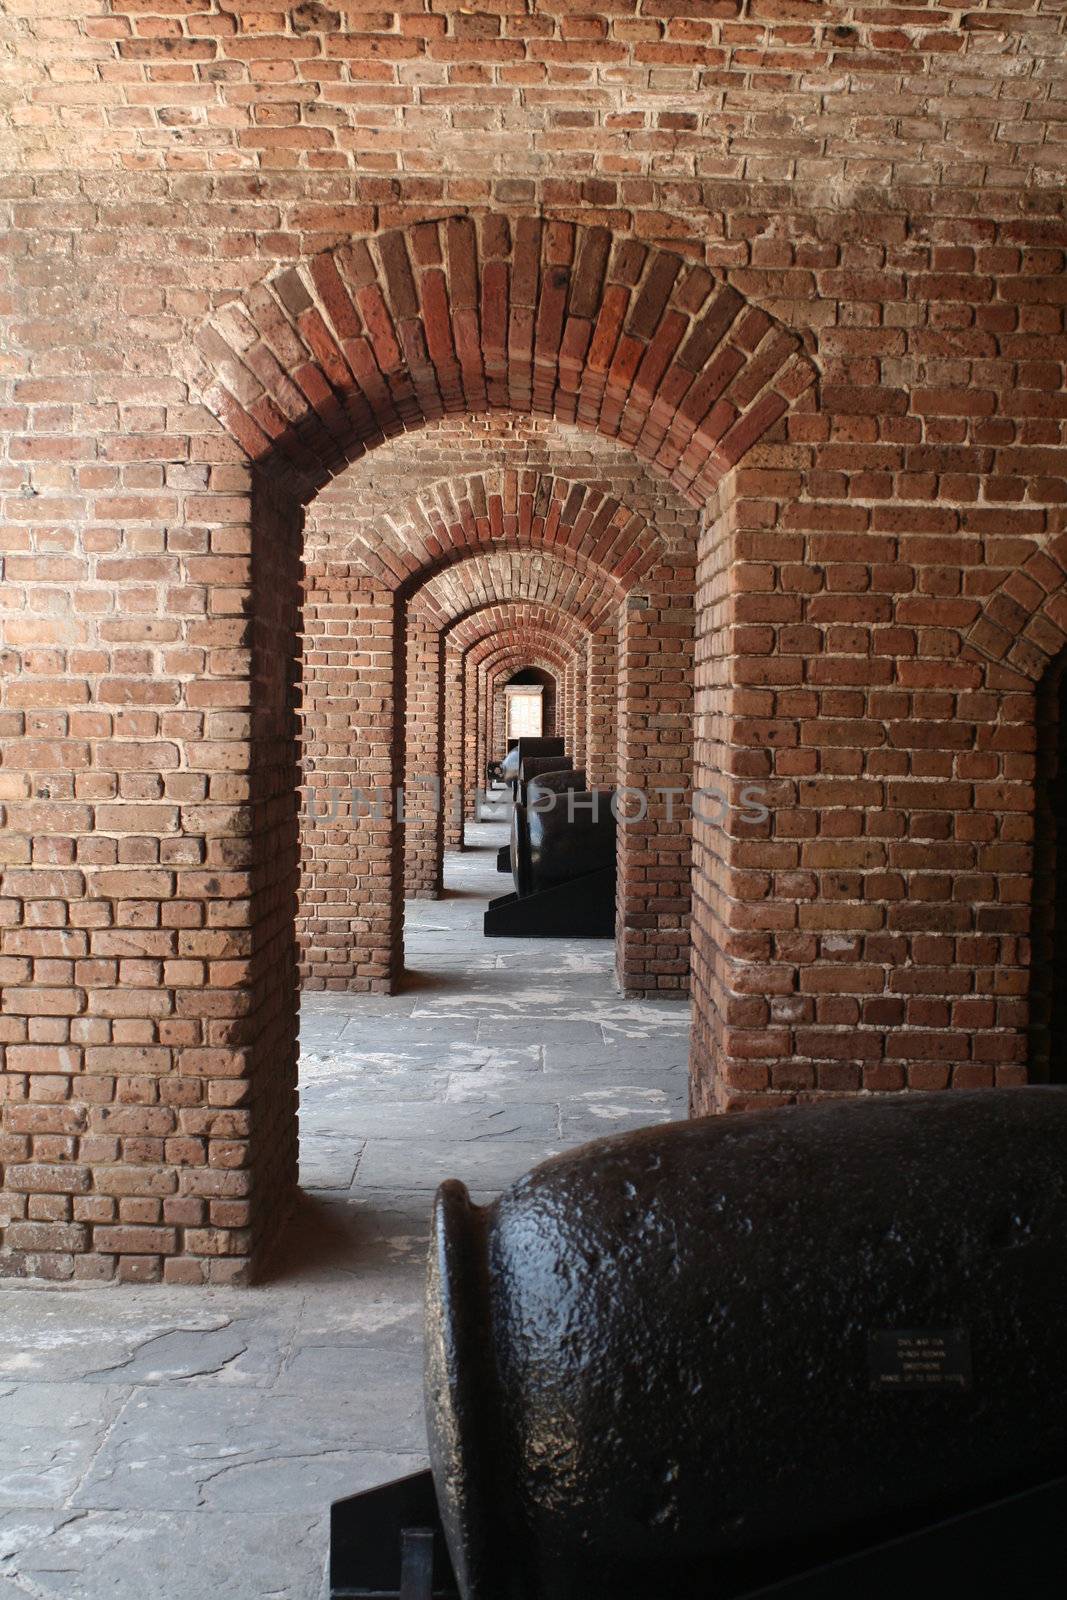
511	765
563	866
494	770
510	770
814	1353
540	766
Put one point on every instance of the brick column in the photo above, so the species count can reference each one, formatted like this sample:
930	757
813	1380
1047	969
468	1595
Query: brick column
458	778
424	824
719	937
550	701
352	892
869	933
475	742
602	709
497	707
566	708
656	751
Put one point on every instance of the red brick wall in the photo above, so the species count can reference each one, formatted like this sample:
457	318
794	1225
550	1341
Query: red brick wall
870	194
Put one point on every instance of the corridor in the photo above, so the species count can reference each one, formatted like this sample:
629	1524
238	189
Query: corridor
206	1431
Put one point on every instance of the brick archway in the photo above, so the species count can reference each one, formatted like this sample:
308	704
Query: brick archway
489	311
307	373
499	667
493	663
474	637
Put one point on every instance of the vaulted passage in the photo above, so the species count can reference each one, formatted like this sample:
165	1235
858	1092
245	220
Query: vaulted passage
533	605
359	363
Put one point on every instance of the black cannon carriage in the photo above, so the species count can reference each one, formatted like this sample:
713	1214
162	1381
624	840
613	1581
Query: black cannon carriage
813	1354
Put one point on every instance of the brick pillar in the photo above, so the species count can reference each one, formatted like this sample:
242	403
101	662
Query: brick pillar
869	932
457	777
550	704
579	678
149	1090
424	786
656	751
566	707
352	891
716	946
475	743
497	706
602	709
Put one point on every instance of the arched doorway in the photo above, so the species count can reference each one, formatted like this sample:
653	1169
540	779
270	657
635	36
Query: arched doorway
542	320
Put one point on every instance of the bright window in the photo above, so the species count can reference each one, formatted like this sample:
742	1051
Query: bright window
524	714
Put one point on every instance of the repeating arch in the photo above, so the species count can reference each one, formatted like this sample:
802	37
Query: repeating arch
508	509
562	583
477	312
526	617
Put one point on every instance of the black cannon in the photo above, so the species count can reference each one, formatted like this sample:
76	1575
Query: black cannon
538	766
520	749
563	866
813	1354
696	1359
557	780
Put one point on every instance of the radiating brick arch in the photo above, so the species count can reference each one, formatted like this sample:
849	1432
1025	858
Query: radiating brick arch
464	460
497	616
479	312
500	508
1023	624
559	581
508	633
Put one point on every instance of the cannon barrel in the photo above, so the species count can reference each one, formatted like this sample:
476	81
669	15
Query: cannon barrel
689	1359
575	837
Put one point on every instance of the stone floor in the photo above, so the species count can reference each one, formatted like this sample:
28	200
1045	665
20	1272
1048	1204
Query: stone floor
186	1444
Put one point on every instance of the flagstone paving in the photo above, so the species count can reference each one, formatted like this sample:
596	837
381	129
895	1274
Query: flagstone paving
186	1444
